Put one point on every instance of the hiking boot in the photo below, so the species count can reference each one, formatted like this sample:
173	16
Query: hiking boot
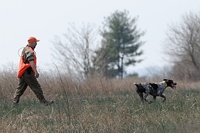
16	100
47	103
14	104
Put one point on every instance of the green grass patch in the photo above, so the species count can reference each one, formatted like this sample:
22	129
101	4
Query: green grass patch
117	111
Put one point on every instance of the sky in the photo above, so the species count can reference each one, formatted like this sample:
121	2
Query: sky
46	19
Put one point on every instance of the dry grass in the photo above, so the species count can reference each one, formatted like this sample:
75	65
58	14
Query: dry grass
98	106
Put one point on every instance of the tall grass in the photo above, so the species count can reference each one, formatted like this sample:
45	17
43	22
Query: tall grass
98	106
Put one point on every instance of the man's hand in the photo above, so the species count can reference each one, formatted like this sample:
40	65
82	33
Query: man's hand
34	69
36	74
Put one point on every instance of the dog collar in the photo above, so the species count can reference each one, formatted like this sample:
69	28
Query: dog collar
165	83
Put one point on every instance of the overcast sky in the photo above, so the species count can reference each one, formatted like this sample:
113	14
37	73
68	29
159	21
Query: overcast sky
46	19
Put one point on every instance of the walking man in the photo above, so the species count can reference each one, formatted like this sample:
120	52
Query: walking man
28	74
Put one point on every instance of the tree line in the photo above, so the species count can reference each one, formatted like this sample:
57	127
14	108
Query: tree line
120	43
120	46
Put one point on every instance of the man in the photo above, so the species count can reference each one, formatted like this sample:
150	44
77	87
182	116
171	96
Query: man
28	74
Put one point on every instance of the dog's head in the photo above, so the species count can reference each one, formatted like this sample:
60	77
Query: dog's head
170	83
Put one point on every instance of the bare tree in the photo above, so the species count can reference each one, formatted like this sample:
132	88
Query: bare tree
183	47
75	53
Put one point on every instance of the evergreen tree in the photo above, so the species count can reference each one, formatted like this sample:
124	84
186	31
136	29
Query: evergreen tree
120	45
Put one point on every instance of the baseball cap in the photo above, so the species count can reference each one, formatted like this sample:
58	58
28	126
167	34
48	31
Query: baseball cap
32	39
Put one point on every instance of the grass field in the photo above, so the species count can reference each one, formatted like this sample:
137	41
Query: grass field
100	106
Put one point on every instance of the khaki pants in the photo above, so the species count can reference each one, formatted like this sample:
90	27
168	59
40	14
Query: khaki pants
28	79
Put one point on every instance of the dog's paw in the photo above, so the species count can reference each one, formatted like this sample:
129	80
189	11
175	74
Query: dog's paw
150	102
163	101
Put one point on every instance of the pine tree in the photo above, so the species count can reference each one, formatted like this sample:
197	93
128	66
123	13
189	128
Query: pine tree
120	45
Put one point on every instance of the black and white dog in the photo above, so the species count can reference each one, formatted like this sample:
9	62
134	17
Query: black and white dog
154	89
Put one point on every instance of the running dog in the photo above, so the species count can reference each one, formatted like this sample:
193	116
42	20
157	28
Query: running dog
154	89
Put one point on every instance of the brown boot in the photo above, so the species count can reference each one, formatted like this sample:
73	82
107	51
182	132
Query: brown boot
14	104
45	102
49	102
15	101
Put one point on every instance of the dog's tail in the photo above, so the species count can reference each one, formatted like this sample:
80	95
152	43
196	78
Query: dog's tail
136	84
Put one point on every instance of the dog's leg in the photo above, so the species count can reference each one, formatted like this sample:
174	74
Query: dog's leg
147	93
145	98
141	96
163	97
154	98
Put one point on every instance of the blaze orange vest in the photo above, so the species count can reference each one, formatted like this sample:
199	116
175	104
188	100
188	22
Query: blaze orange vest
23	66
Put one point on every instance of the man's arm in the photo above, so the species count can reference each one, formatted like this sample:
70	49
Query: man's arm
34	68
30	58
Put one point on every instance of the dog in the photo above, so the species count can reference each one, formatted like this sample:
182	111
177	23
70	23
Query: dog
154	89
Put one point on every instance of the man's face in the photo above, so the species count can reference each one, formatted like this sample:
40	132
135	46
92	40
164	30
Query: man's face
33	45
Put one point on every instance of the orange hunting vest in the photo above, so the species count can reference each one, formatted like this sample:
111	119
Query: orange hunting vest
23	66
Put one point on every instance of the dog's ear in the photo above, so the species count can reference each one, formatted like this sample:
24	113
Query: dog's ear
165	80
171	81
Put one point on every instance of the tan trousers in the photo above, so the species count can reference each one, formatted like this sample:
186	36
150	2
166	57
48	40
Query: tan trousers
28	79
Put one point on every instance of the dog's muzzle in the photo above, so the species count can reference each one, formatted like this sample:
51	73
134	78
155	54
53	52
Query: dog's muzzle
173	85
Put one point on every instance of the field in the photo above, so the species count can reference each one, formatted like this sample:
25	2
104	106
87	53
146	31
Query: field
98	106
